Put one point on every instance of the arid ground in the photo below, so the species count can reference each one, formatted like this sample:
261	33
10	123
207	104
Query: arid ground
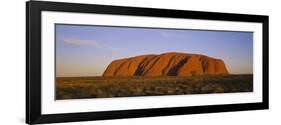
105	87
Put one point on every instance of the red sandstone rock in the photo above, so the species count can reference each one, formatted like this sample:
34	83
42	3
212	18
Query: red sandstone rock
167	64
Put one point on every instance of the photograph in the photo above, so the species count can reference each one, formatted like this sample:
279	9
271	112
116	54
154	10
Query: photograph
103	61
89	62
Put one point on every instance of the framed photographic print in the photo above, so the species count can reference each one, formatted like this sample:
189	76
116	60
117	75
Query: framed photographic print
95	62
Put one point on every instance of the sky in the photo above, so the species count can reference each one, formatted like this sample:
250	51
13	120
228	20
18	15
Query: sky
86	50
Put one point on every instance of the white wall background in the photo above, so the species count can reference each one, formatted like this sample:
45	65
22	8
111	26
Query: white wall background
12	63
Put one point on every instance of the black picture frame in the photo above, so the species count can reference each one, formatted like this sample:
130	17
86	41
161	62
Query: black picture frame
33	61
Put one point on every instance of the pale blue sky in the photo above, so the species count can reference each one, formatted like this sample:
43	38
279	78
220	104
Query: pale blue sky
88	50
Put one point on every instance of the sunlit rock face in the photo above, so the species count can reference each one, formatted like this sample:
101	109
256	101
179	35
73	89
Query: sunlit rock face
166	64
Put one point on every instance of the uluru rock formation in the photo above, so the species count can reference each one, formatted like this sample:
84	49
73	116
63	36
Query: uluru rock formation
166	64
